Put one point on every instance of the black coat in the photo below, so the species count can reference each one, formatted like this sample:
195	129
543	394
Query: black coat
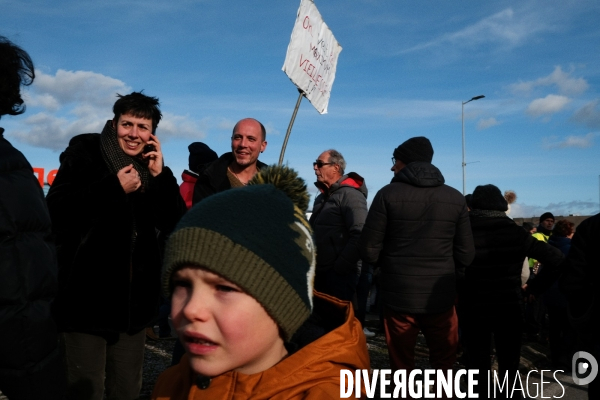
213	177
28	270
337	220
494	276
581	280
109	254
416	229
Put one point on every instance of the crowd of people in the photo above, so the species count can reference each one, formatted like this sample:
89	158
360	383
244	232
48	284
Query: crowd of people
262	298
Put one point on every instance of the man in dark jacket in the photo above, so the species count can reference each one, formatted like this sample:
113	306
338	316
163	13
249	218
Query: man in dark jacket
337	219
30	365
238	167
416	230
490	294
580	282
111	200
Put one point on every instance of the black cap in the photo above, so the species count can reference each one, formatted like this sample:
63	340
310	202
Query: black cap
200	154
546	215
489	197
414	149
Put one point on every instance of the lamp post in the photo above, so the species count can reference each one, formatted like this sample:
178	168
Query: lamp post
463	139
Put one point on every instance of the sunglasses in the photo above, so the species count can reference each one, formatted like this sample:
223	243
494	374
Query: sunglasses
320	163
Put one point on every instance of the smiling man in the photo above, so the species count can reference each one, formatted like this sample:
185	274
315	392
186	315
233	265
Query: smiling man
235	168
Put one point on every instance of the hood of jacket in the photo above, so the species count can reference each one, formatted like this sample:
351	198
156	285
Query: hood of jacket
351	179
314	368
420	174
82	146
189	176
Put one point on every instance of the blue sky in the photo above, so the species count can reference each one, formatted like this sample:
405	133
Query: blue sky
404	70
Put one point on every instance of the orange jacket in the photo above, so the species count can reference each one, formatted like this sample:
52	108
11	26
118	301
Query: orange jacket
312	372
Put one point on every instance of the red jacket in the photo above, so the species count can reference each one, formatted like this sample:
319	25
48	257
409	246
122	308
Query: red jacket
187	186
312	372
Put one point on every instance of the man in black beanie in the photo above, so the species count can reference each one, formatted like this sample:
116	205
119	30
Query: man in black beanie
416	230
544	229
490	287
200	156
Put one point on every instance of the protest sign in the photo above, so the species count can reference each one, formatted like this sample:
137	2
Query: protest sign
312	55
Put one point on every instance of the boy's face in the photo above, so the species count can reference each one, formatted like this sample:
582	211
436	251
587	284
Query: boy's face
221	327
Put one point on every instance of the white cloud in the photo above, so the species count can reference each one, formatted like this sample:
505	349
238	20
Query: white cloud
505	27
548	105
74	102
80	86
52	132
487	123
181	126
562	80
563	208
570	141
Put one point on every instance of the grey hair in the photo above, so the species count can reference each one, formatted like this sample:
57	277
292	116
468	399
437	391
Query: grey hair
337	158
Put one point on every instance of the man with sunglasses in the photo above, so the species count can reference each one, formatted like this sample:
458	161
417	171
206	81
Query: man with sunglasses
417	231
337	219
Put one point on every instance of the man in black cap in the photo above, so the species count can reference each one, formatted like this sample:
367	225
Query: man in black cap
544	229
536	310
200	155
416	230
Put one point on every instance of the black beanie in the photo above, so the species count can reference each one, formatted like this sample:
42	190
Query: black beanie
414	149
200	154
545	216
488	197
256	237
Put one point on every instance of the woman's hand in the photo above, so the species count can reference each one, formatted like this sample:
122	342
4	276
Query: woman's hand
129	178
155	157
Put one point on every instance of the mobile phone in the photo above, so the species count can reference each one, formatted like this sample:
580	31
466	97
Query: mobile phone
148	148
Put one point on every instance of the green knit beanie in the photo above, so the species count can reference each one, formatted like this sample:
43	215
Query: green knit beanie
257	238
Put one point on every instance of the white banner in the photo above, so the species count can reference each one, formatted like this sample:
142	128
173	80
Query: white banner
312	55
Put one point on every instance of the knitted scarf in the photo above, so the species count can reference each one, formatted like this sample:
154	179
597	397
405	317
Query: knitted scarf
115	157
487	213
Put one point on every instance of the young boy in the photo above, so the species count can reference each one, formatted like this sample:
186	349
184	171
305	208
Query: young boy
239	269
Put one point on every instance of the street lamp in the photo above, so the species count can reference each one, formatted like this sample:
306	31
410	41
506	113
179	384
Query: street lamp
463	138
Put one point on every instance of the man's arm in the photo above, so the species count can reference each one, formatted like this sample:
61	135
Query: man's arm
551	259
202	189
167	200
463	248
354	213
73	192
371	239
